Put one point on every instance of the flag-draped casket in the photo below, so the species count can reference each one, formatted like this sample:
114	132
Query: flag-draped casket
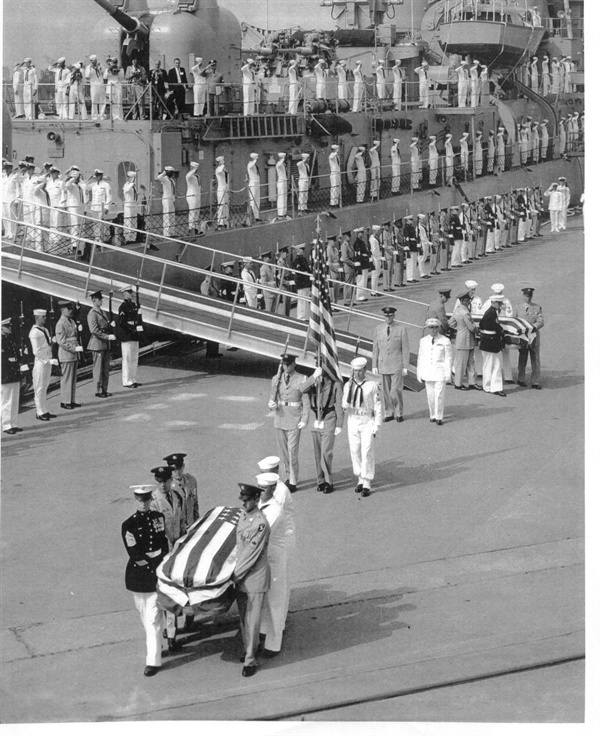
517	331
196	574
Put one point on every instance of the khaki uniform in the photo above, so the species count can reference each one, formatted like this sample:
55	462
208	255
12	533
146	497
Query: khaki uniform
274	610
391	354
292	408
332	416
533	314
171	507
252	574
187	488
464	361
66	337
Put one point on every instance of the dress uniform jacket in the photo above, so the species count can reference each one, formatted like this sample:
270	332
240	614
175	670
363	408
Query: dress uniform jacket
533	314
363	254
127	321
66	337
99	328
492	335
466	329
40	344
145	541
435	359
369	407
292	405
171	511
11	360
187	487
302	279
437	309
391	353
252	572
410	237
331	403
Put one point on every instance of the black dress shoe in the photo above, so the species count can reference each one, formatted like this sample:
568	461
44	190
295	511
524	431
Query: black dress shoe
522	383
461	388
50	416
243	658
17	429
399	419
269	653
365	492
174	645
292	487
321	487
75	406
66	406
129	385
151	671
439	422
249	670
358	488
499	393
42	417
328	488
536	385
476	387
432	420
389	419
12	430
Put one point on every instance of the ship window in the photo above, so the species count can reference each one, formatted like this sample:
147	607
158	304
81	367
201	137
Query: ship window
188	6
122	169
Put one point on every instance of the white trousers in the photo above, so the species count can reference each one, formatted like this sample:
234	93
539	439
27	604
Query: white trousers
193	203
19	109
222	207
96	211
397	95
506	366
436	393
41	380
200	91
254	192
335	184
303	305
152	620
76	98
456	252
294	99
75	222
10	405
98	95
361	186
395	177
554	220
10	228
411	265
362	281
362	448
251	296
248	95
130	350
60	100
562	219
282	198
462	93
376	273
492	371
114	92
168	207
302	194
357	95
275	602
129	222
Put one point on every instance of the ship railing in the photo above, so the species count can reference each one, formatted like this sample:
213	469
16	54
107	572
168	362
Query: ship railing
33	233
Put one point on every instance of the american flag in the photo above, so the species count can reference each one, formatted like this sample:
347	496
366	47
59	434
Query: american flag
322	331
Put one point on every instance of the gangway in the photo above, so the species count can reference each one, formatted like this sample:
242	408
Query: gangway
165	304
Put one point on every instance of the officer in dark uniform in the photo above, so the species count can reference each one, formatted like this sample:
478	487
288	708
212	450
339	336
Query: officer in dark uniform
130	331
252	574
11	379
410	247
363	256
226	287
146	543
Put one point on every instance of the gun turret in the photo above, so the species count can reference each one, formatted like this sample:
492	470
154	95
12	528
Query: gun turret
129	23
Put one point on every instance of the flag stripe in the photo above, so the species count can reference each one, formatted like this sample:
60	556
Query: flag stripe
321	328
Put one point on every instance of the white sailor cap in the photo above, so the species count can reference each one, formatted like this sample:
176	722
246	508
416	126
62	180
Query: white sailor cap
197	59
62	58
375	144
268	463
470	284
421	216
254	156
396	140
358	363
132	174
249	61
304	156
98	171
142	490
27	59
220	159
497	298
358	63
375	228
432	137
497	288
169	168
127	287
39	312
463	62
381	61
266	479
448	136
93	57
281	154
194	164
433	322
335	147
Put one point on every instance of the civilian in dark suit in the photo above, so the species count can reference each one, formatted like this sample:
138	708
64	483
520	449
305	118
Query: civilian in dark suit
178	83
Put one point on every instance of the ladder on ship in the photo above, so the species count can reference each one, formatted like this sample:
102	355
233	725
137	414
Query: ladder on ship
165	304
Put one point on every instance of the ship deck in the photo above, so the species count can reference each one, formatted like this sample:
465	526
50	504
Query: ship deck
465	563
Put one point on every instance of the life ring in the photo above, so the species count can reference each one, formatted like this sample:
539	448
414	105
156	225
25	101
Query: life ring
350	171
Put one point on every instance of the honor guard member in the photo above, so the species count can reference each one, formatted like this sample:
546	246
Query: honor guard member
169	502
69	350
350	263
391	355
437	309
434	368
491	342
186	486
363	258
506	310
130	325
227	288
99	344
41	346
282	496
291	414
249	279
533	314
466	331
303	281
411	247
146	544
274	610
252	574
363	406
167	179
11	379
130	207
325	398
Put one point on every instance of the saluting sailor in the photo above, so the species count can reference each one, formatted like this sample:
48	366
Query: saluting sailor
291	414
363	406
146	543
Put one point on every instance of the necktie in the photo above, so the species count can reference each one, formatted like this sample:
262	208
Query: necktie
287	379
433	340
388	330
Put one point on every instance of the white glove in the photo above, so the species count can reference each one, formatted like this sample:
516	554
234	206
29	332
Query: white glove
54	361
112	337
301	425
375	370
336	431
272	405
318	372
357	264
79	349
405	371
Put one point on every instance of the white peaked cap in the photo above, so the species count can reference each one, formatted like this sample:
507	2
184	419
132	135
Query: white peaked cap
194	164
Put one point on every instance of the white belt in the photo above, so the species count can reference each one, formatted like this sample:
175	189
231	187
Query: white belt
360	412
290	403
155	553
488	332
